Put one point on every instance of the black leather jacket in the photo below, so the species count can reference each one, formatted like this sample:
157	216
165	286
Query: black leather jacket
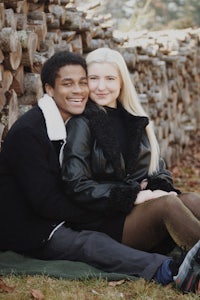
94	170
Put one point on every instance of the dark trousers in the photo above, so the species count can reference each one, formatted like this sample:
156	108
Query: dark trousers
101	251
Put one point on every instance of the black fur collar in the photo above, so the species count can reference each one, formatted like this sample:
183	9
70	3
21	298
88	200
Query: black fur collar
103	132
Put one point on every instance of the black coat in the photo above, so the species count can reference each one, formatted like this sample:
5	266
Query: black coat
32	201
94	170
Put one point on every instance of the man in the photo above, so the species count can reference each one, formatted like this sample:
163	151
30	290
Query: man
34	209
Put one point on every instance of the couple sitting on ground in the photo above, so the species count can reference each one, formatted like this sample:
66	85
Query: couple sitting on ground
83	180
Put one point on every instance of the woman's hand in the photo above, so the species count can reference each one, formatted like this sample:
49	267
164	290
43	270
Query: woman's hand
146	195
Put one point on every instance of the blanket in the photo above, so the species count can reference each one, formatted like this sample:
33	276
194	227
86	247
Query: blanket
12	263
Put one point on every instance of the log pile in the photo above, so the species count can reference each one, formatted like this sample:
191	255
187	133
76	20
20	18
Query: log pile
164	66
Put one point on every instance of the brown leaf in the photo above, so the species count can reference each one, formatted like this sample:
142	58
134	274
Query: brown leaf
37	294
115	283
198	288
5	288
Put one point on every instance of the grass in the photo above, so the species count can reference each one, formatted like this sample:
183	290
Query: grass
39	287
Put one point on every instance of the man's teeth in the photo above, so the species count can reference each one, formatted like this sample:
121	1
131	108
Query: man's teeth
76	100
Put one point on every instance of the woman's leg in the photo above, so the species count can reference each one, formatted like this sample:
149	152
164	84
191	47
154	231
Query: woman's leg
151	223
192	201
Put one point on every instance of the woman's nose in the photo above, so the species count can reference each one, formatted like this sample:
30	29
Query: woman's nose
101	84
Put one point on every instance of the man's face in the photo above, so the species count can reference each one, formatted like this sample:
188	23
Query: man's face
71	90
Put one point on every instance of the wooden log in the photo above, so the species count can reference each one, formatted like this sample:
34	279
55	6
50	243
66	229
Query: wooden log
21	21
54	25
29	42
8	40
94	4
12	104
65	2
18	81
2	128
1	74
55	1
49	18
63	46
38	62
94	44
36	6
2	99
17	6
13	59
73	21
68	35
59	12
32	84
2	15
77	45
32	89
40	29
7	80
1	56
55	36
37	22
10	19
46	48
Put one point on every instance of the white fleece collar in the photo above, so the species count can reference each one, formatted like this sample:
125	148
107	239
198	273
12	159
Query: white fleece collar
55	125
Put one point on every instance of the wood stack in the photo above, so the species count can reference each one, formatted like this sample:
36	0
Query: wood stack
166	74
164	66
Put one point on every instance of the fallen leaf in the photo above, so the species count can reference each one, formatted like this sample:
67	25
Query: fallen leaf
95	292
37	294
198	288
5	288
115	283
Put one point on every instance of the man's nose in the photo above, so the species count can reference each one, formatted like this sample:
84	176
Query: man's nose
77	88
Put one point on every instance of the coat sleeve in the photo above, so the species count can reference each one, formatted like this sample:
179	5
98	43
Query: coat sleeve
78	178
33	165
162	180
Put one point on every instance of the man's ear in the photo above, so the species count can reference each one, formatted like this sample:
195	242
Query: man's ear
49	90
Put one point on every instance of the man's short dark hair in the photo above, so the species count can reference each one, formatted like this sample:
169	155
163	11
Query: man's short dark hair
60	59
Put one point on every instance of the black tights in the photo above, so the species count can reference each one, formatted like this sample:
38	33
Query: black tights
153	224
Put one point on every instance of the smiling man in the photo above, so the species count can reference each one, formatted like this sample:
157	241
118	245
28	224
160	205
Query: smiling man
33	204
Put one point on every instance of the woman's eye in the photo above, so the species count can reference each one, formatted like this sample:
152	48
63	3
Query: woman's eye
92	78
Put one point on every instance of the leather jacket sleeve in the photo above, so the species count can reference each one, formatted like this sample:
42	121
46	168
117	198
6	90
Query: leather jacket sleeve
79	181
162	180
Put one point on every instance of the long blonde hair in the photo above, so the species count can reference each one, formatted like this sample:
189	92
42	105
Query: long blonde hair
128	96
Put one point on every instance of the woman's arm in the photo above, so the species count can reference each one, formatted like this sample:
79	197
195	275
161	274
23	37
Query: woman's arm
162	180
78	176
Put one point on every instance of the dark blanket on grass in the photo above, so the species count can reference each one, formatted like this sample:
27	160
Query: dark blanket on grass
15	264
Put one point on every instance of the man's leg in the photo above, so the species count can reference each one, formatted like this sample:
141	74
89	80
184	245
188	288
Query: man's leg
101	251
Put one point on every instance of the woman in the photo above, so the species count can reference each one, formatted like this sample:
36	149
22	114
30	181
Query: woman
112	166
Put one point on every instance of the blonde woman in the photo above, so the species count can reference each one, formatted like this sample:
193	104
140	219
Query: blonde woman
112	166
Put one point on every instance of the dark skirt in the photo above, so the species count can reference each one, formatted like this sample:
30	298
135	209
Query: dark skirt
111	225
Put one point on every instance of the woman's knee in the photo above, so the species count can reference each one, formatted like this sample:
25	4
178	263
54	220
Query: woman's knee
189	196
170	203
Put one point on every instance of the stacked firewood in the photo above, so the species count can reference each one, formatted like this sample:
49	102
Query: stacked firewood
164	66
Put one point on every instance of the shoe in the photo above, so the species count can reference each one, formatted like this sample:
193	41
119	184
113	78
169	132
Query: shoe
188	277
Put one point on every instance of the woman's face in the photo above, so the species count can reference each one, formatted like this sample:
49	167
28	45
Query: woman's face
104	84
